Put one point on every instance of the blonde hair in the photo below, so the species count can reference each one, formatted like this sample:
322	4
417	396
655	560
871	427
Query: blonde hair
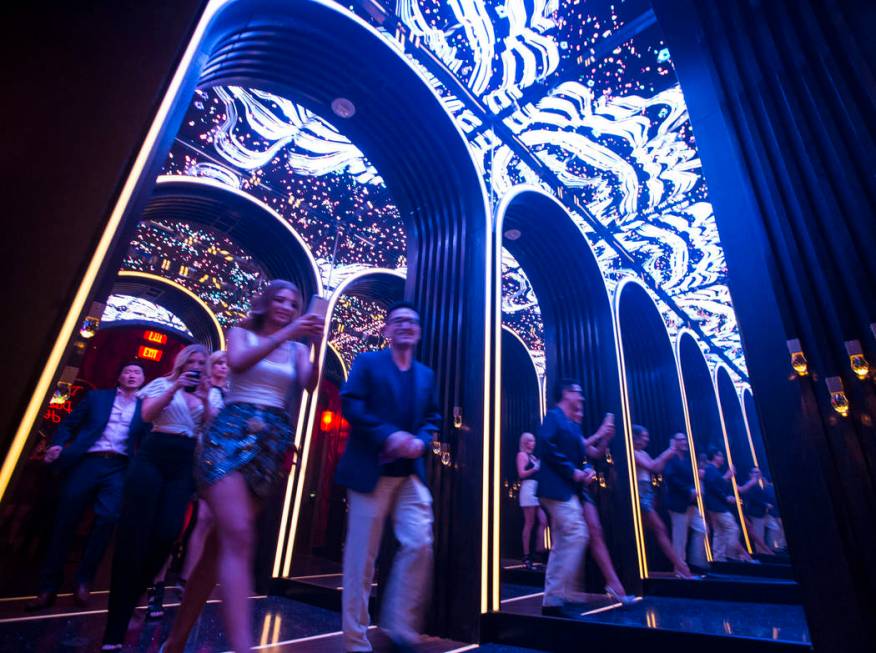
520	441
214	358
261	303
182	358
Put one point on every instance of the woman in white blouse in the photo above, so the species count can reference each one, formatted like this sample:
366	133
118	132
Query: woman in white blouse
159	484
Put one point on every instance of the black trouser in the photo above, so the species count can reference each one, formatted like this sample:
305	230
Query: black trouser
158	489
96	481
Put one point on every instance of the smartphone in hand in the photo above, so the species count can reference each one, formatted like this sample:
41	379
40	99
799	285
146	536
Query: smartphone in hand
318	306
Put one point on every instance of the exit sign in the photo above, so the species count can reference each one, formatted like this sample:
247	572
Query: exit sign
155	337
149	353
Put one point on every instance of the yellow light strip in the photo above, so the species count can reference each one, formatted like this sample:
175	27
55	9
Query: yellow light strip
730	457
173	284
492	334
286	540
340	360
748	426
493	352
690	439
77	306
628	430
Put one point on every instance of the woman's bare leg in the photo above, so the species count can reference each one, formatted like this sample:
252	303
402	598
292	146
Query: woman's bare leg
655	523
197	592
599	551
539	534
197	538
234	512
528	523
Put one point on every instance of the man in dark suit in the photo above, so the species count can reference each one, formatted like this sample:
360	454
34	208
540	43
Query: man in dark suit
560	481
90	448
680	499
389	400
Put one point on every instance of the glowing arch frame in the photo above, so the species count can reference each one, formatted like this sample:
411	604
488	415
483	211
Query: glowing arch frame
684	331
627	417
496	454
723	366
295	484
148	276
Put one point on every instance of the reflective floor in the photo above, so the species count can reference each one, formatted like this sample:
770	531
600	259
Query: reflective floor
281	625
777	622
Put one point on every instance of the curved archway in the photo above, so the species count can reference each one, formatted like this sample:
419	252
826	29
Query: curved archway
738	447
755	431
652	389
699	392
521	412
178	299
296	553
579	335
257	228
313	52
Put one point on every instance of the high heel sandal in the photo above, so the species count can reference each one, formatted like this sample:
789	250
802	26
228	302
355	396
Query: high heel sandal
624	599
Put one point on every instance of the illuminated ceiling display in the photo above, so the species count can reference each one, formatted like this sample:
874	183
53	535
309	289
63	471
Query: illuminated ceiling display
357	326
124	308
578	98
208	263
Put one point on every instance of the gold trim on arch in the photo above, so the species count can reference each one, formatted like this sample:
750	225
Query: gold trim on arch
136	274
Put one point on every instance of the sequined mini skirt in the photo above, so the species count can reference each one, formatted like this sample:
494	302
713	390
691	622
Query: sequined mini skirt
253	440
646	495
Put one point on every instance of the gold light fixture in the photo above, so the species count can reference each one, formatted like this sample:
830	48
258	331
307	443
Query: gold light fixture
857	362
89	327
838	399
798	358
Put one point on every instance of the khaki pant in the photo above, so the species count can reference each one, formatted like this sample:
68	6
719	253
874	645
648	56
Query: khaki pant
569	539
726	534
689	546
409	503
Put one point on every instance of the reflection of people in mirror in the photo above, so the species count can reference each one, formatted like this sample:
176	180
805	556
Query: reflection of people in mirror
755	505
595	447
646	467
720	502
560	482
680	500
527	467
91	448
390	401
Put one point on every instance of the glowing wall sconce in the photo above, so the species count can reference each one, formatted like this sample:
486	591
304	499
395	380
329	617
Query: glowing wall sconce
798	359
858	363
838	399
89	327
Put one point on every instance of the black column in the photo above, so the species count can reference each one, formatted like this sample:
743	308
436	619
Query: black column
781	98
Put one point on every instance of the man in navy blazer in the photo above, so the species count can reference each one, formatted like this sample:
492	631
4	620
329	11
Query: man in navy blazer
389	400
560	480
91	448
680	499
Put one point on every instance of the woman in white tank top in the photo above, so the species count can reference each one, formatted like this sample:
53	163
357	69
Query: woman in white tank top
242	454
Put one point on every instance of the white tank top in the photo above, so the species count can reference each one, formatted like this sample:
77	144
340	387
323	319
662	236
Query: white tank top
266	383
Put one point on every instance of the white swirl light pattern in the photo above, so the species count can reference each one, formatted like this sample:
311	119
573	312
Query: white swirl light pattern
596	102
125	308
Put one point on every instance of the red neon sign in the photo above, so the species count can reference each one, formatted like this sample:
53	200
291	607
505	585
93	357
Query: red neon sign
149	353
155	337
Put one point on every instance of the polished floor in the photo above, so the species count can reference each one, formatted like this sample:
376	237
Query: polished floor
280	625
780	623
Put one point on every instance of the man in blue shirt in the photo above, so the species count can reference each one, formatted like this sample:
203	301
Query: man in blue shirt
560	481
390	401
720	502
680	499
